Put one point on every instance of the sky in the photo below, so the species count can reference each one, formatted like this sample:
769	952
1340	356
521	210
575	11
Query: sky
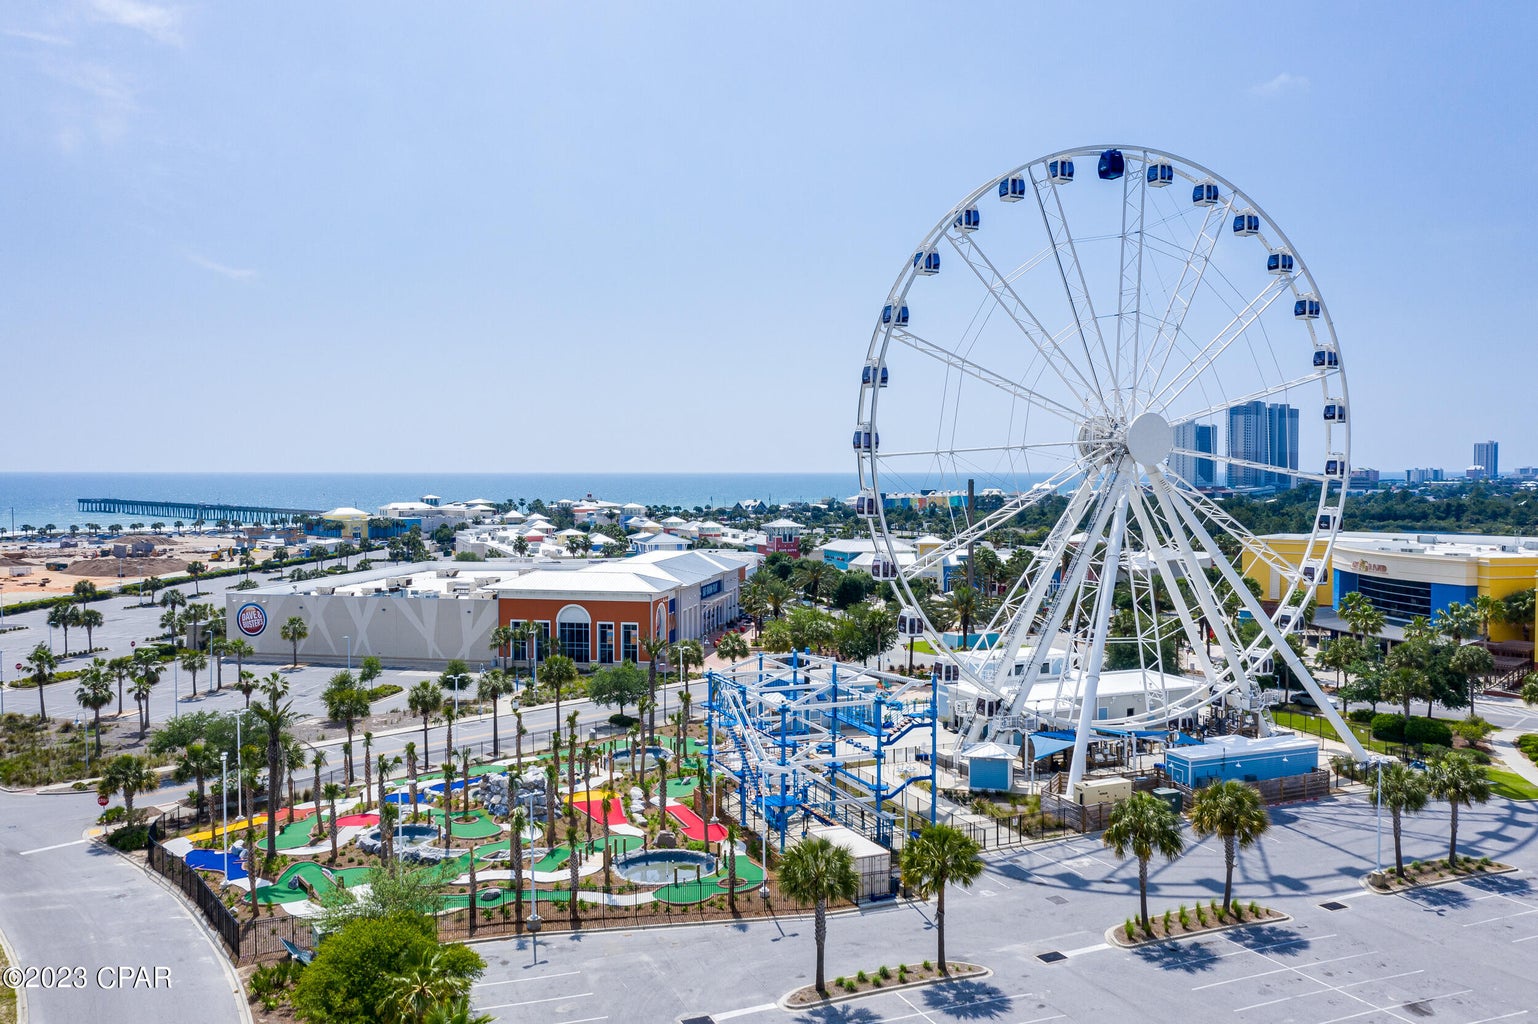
555	237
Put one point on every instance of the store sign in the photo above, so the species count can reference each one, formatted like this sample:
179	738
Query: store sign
252	619
1362	565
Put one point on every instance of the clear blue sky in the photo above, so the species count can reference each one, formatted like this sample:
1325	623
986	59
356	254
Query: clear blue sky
544	237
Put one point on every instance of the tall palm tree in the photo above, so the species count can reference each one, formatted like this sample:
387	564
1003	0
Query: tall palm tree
383	768
95	693
276	716
1403	791
449	774
63	616
43	663
573	864
733	647
411	773
653	646
1457	779
467	761
1143	824
120	669
1235	814
129	775
501	641
90	618
317	762
425	700
939	856
491	686
815	871
967	602
246	684
518	821
560	672
427	983
196	763
368	769
332	792
295	632
1364	619
194	662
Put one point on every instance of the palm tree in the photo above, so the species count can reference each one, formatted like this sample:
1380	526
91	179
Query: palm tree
653	646
240	650
1143	824
129	775
518	821
1235	814
1359	613
194	662
411	773
491	685
382	771
317	762
90	618
559	672
368	778
815	871
332	792
426	984
196	763
246	684
939	856
63	616
294	631
732	647
95	693
502	642
1403	791
967	602
1457	779
276	716
424	701
573	864
347	705
120	668
196	571
43	662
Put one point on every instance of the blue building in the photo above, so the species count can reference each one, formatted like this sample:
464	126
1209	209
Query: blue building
1241	758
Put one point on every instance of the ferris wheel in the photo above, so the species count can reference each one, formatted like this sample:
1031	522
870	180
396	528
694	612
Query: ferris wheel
1071	364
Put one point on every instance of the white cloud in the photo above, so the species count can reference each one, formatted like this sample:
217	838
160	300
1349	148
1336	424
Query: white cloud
163	24
1282	83
36	37
233	273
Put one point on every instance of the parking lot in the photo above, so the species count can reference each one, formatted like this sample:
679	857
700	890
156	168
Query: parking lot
1461	953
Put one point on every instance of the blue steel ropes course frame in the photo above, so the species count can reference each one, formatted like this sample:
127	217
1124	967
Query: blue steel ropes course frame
811	737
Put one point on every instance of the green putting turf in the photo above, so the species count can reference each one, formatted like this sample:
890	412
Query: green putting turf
480	828
297	834
557	858
749	876
424	778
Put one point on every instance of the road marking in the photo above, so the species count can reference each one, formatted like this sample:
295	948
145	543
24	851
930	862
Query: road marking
516	981
1504	1016
531	1002
1088	949
56	846
1279	970
745	1011
1503	917
584	1020
1525	938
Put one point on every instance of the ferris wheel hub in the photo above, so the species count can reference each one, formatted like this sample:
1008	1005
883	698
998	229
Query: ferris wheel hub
1150	439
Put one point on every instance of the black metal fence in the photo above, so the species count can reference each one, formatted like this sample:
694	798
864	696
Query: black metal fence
209	903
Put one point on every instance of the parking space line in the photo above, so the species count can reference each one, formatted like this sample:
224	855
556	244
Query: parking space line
531	1002
1526	938
730	1014
583	1020
1504	1016
1087	949
519	981
1281	970
1502	917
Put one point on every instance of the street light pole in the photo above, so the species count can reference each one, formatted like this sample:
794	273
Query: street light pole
535	921
224	800
1380	815
349	652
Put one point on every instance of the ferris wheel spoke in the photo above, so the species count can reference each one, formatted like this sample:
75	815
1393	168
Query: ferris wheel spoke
1219	344
1191	273
1251	603
1230	460
1001	288
941	451
1254	396
992	521
957	361
1020	606
1070	271
1258	548
1134	198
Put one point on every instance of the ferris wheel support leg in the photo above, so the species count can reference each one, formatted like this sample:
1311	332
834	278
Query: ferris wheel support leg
1278	641
1200	586
1105	597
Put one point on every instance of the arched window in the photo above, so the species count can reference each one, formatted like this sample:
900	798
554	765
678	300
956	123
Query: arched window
574	633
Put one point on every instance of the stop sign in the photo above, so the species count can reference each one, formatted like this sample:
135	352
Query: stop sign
101	801
18	666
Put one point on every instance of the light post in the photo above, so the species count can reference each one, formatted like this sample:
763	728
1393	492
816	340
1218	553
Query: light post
224	801
176	686
240	768
1380	815
2	684
534	921
349	652
459	679
87	747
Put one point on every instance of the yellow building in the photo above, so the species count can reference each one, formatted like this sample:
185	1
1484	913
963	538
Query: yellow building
352	521
1405	575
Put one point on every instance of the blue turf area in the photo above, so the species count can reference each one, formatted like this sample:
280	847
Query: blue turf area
214	860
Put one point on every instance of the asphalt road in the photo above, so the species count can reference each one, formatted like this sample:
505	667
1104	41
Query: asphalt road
110	943
1462	953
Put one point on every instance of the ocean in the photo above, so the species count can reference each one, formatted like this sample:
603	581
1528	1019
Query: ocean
37	499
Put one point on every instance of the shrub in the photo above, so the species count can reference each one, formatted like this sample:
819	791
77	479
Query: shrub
1167	922
1423	731
129	837
1237	911
1127	928
928	966
1185	917
1361	716
1218	910
112	816
861	977
885	972
1254	909
1201	915
1388	727
1473	729
382	691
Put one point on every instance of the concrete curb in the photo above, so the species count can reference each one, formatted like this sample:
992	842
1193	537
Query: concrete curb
1503	869
21	992
784	1001
1116	935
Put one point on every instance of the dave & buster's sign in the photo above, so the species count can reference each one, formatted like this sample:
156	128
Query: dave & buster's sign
252	619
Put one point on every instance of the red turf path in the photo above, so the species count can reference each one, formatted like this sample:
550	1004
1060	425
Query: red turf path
694	828
594	810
